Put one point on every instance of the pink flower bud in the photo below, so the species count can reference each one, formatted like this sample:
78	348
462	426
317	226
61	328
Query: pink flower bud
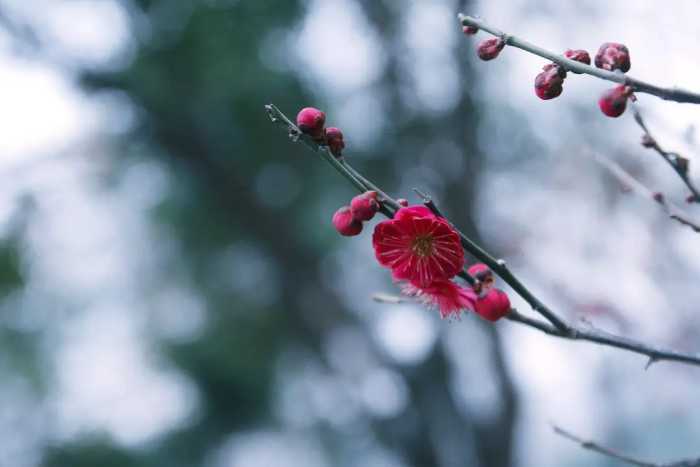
488	49
691	198
469	30
402	202
613	56
492	306
364	206
613	102
578	55
484	275
658	197
334	139
548	84
310	121
345	223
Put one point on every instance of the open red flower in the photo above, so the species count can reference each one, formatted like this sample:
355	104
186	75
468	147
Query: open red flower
418	246
447	297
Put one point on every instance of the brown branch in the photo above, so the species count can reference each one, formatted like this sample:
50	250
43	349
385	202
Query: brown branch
671	94
595	447
628	180
556	325
677	162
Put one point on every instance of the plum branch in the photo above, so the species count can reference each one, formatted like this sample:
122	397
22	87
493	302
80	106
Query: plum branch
608	452
628	180
677	162
671	94
554	326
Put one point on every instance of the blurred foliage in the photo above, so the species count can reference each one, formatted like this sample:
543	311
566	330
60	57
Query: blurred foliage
200	82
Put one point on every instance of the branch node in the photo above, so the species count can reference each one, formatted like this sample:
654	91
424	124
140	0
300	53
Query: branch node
650	362
425	198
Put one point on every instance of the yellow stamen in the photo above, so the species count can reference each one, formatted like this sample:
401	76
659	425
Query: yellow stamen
423	245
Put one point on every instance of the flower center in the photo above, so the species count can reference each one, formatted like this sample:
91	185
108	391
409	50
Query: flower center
423	245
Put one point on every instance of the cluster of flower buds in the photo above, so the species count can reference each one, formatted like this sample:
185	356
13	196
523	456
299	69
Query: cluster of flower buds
549	83
612	56
311	121
348	219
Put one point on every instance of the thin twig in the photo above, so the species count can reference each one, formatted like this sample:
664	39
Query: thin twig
557	328
677	162
598	336
671	94
592	446
628	180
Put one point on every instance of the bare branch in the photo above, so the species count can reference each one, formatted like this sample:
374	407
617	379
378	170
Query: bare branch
677	162
598	336
671	94
628	180
595	447
556	325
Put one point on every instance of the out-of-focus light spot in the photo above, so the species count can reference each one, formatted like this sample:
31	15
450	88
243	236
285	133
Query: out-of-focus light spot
348	351
362	117
88	32
269	449
338	45
277	185
41	111
179	315
384	393
430	36
406	333
145	183
115	111
105	383
246	269
332	399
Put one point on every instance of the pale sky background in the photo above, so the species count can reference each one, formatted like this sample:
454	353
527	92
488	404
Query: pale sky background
564	230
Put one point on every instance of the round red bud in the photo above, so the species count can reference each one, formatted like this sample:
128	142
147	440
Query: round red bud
334	139
548	84
488	49
492	306
402	202
483	275
345	223
310	121
613	56
364	206
579	55
469	30
613	102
